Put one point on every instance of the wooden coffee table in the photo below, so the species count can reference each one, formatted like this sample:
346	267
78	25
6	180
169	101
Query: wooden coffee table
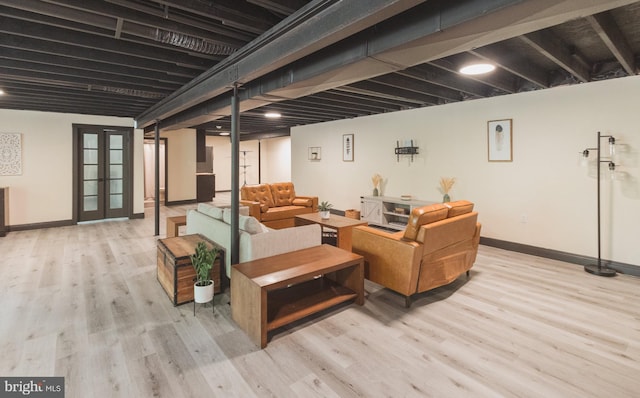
274	291
342	225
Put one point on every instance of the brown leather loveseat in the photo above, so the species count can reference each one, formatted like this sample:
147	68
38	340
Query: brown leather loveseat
276	205
439	244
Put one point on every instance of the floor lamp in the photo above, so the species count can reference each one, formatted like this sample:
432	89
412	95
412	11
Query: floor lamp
599	269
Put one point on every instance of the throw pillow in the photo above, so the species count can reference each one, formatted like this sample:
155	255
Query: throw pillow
250	224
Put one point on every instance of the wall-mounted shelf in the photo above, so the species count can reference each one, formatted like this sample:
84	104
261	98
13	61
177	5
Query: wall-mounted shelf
406	150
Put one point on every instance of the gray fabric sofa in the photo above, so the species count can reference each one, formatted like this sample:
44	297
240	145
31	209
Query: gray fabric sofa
256	240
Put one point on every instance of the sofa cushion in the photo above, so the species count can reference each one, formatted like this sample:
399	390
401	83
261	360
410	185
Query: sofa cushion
284	212
211	211
283	193
424	215
260	193
459	208
306	202
250	225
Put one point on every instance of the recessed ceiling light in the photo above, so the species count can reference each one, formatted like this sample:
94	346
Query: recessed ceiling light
477	69
272	115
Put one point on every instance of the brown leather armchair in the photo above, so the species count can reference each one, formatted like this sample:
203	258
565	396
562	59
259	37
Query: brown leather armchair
439	244
276	205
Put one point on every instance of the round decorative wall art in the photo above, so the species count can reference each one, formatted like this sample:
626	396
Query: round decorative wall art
10	154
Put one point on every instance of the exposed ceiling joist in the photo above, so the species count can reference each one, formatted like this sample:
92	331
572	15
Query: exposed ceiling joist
610	34
123	57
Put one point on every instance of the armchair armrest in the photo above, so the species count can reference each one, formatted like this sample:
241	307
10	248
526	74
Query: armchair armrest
254	208
389	260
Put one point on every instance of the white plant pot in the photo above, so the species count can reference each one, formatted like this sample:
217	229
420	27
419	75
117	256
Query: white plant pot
325	214
203	294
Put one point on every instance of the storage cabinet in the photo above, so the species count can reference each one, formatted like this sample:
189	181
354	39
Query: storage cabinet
388	212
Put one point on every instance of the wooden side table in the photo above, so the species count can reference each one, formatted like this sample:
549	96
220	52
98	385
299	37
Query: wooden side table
175	272
174	224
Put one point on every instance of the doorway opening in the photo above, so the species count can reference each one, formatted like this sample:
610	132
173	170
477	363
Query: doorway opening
149	171
102	173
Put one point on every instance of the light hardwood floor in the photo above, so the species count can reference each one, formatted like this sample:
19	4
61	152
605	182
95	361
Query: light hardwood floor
83	302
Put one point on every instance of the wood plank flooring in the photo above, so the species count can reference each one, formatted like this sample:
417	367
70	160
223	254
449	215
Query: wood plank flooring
83	302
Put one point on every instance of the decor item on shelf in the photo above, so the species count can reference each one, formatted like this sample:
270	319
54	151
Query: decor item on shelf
315	153
446	183
202	261
376	179
407	149
324	209
599	269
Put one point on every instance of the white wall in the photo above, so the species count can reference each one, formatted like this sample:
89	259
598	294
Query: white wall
276	159
43	193
543	198
181	164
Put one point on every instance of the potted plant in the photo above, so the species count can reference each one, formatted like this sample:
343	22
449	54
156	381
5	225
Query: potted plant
324	209
202	262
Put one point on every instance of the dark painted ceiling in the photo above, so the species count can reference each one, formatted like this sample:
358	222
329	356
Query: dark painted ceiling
132	57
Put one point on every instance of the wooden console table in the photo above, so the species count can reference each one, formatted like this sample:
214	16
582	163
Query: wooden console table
274	291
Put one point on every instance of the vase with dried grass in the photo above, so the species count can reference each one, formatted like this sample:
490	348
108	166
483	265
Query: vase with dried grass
446	183
376	179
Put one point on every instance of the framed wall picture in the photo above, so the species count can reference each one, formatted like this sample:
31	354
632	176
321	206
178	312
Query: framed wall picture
500	143
10	154
315	153
347	147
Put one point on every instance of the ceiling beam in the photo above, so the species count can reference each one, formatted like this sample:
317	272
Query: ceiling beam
496	80
114	11
203	23
419	86
514	65
552	47
283	7
56	35
37	58
96	55
308	30
608	30
230	12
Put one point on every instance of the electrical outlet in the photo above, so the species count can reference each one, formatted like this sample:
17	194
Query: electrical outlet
524	218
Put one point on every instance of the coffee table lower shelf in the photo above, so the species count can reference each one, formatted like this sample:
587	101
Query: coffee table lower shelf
296	302
269	293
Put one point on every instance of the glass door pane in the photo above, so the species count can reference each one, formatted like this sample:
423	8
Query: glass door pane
91	178
116	174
